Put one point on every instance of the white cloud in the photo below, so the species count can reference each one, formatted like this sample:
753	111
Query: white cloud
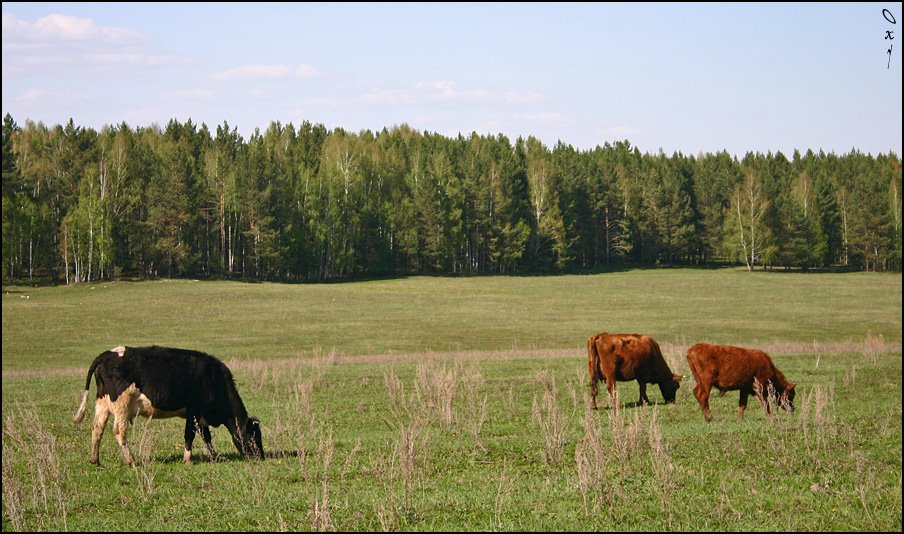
189	94
142	116
545	117
50	98
325	102
264	72
384	96
65	42
449	91
253	72
306	71
128	58
530	97
32	95
66	28
444	91
618	131
12	24
439	86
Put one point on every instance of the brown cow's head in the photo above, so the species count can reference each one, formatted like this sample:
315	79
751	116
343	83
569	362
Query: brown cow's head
670	387
787	397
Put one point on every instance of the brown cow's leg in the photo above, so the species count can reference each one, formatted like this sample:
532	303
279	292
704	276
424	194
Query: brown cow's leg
101	415
592	363
607	369
610	387
742	403
702	394
593	390
644	400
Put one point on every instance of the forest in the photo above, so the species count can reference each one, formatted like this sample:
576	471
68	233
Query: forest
297	203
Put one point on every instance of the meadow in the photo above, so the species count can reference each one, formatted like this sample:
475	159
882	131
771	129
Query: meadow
461	403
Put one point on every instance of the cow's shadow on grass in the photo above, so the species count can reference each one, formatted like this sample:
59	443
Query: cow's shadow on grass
641	404
226	457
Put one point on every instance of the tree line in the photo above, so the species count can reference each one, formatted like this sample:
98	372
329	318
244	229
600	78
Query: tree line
307	203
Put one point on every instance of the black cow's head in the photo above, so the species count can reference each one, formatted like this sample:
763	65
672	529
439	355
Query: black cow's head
249	440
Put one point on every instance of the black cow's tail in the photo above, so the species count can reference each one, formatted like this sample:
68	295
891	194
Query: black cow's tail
80	414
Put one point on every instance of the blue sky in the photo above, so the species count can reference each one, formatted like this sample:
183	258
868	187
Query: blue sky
689	77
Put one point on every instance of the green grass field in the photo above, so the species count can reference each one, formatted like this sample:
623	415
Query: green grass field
440	403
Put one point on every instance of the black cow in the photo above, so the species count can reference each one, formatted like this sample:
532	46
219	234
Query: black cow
164	382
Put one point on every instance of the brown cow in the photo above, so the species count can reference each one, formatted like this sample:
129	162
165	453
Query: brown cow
729	368
629	357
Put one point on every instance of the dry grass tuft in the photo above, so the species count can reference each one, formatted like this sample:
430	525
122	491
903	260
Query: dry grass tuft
24	435
549	417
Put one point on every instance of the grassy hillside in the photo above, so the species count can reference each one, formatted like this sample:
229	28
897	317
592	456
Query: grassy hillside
61	327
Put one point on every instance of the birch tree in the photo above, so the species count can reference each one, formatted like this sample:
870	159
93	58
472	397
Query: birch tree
745	231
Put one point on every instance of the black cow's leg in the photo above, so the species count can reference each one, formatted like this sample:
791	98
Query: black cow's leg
208	441
189	438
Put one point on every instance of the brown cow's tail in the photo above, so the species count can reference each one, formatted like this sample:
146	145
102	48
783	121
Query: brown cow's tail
693	361
593	359
80	414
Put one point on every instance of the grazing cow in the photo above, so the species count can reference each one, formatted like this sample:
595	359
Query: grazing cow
163	382
729	368
629	357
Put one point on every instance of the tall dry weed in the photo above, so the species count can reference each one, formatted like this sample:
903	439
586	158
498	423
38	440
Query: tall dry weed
144	467
321	510
816	422
26	437
437	385
591	458
503	490
663	467
550	419
474	414
410	416
626	433
13	495
873	348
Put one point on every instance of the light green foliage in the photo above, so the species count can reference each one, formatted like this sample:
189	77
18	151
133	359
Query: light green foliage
311	204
